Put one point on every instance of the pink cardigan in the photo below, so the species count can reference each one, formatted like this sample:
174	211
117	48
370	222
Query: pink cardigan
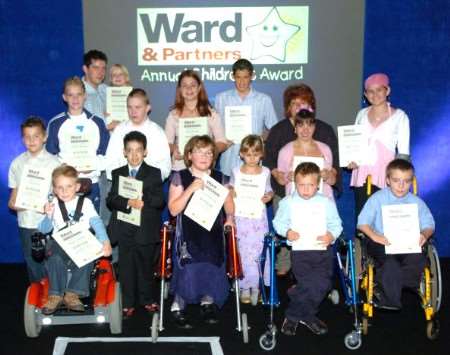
286	157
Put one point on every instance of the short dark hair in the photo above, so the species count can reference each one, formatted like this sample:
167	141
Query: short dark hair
399	164
135	136
305	115
94	54
307	168
243	64
33	121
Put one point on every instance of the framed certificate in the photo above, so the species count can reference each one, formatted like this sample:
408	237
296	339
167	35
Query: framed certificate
79	244
308	220
131	189
238	122
352	143
206	203
319	161
35	184
116	103
401	228
249	192
190	127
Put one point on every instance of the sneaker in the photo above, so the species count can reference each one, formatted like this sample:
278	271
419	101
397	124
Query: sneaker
52	304
152	308
181	320
127	313
289	327
245	296
209	313
254	297
379	301
72	302
315	325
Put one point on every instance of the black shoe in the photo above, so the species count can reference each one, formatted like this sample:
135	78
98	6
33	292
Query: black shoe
379	301
209	313
316	326
181	320
289	327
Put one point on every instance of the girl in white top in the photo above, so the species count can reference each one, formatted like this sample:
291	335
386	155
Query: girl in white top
191	101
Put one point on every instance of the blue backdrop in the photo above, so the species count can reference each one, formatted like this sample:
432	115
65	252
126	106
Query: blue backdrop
42	44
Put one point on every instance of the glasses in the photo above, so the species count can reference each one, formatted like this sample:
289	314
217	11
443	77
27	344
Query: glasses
208	154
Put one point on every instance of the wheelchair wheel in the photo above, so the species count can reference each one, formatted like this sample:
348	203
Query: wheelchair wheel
433	328
115	311
155	327
353	340
267	341
358	257
244	327
436	280
365	325
31	318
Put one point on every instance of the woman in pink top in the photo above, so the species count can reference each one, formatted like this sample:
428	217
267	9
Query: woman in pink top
305	146
388	131
191	101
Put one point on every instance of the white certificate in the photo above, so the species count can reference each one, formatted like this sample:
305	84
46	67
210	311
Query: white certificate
79	244
238	122
352	142
401	228
190	127
319	161
249	191
308	220
206	203
132	189
34	188
116	103
82	155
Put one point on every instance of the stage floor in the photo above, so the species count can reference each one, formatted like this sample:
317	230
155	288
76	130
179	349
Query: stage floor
391	332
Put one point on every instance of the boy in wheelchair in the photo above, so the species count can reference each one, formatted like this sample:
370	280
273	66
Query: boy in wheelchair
394	271
70	208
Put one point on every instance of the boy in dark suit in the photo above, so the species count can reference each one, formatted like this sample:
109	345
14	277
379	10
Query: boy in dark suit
138	244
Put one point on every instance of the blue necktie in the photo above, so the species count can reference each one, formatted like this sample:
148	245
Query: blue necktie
133	172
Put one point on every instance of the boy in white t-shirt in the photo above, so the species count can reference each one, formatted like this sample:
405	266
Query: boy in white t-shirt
33	137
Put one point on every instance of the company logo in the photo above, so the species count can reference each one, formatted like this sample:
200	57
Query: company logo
190	36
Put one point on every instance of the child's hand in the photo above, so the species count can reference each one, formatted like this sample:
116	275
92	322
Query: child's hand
135	203
325	239
352	165
422	240
380	239
176	153
107	250
112	125
290	176
267	197
291	235
49	208
197	184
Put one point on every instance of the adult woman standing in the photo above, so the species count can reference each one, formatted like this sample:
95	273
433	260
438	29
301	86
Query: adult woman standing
191	101
388	131
305	146
295	98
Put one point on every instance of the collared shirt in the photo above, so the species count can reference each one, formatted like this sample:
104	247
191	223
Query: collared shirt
30	219
371	214
96	99
135	168
263	116
158	152
282	221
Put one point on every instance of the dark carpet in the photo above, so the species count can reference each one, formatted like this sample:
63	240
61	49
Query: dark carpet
399	333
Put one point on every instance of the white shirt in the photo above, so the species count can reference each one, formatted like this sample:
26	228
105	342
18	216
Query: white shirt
87	212
26	218
158	152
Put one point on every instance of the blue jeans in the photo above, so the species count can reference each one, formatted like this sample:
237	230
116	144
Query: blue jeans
36	271
57	265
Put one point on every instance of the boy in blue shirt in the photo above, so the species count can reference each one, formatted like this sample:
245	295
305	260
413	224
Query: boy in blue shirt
313	269
394	271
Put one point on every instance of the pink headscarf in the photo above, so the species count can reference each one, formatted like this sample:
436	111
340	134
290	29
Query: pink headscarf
376	79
